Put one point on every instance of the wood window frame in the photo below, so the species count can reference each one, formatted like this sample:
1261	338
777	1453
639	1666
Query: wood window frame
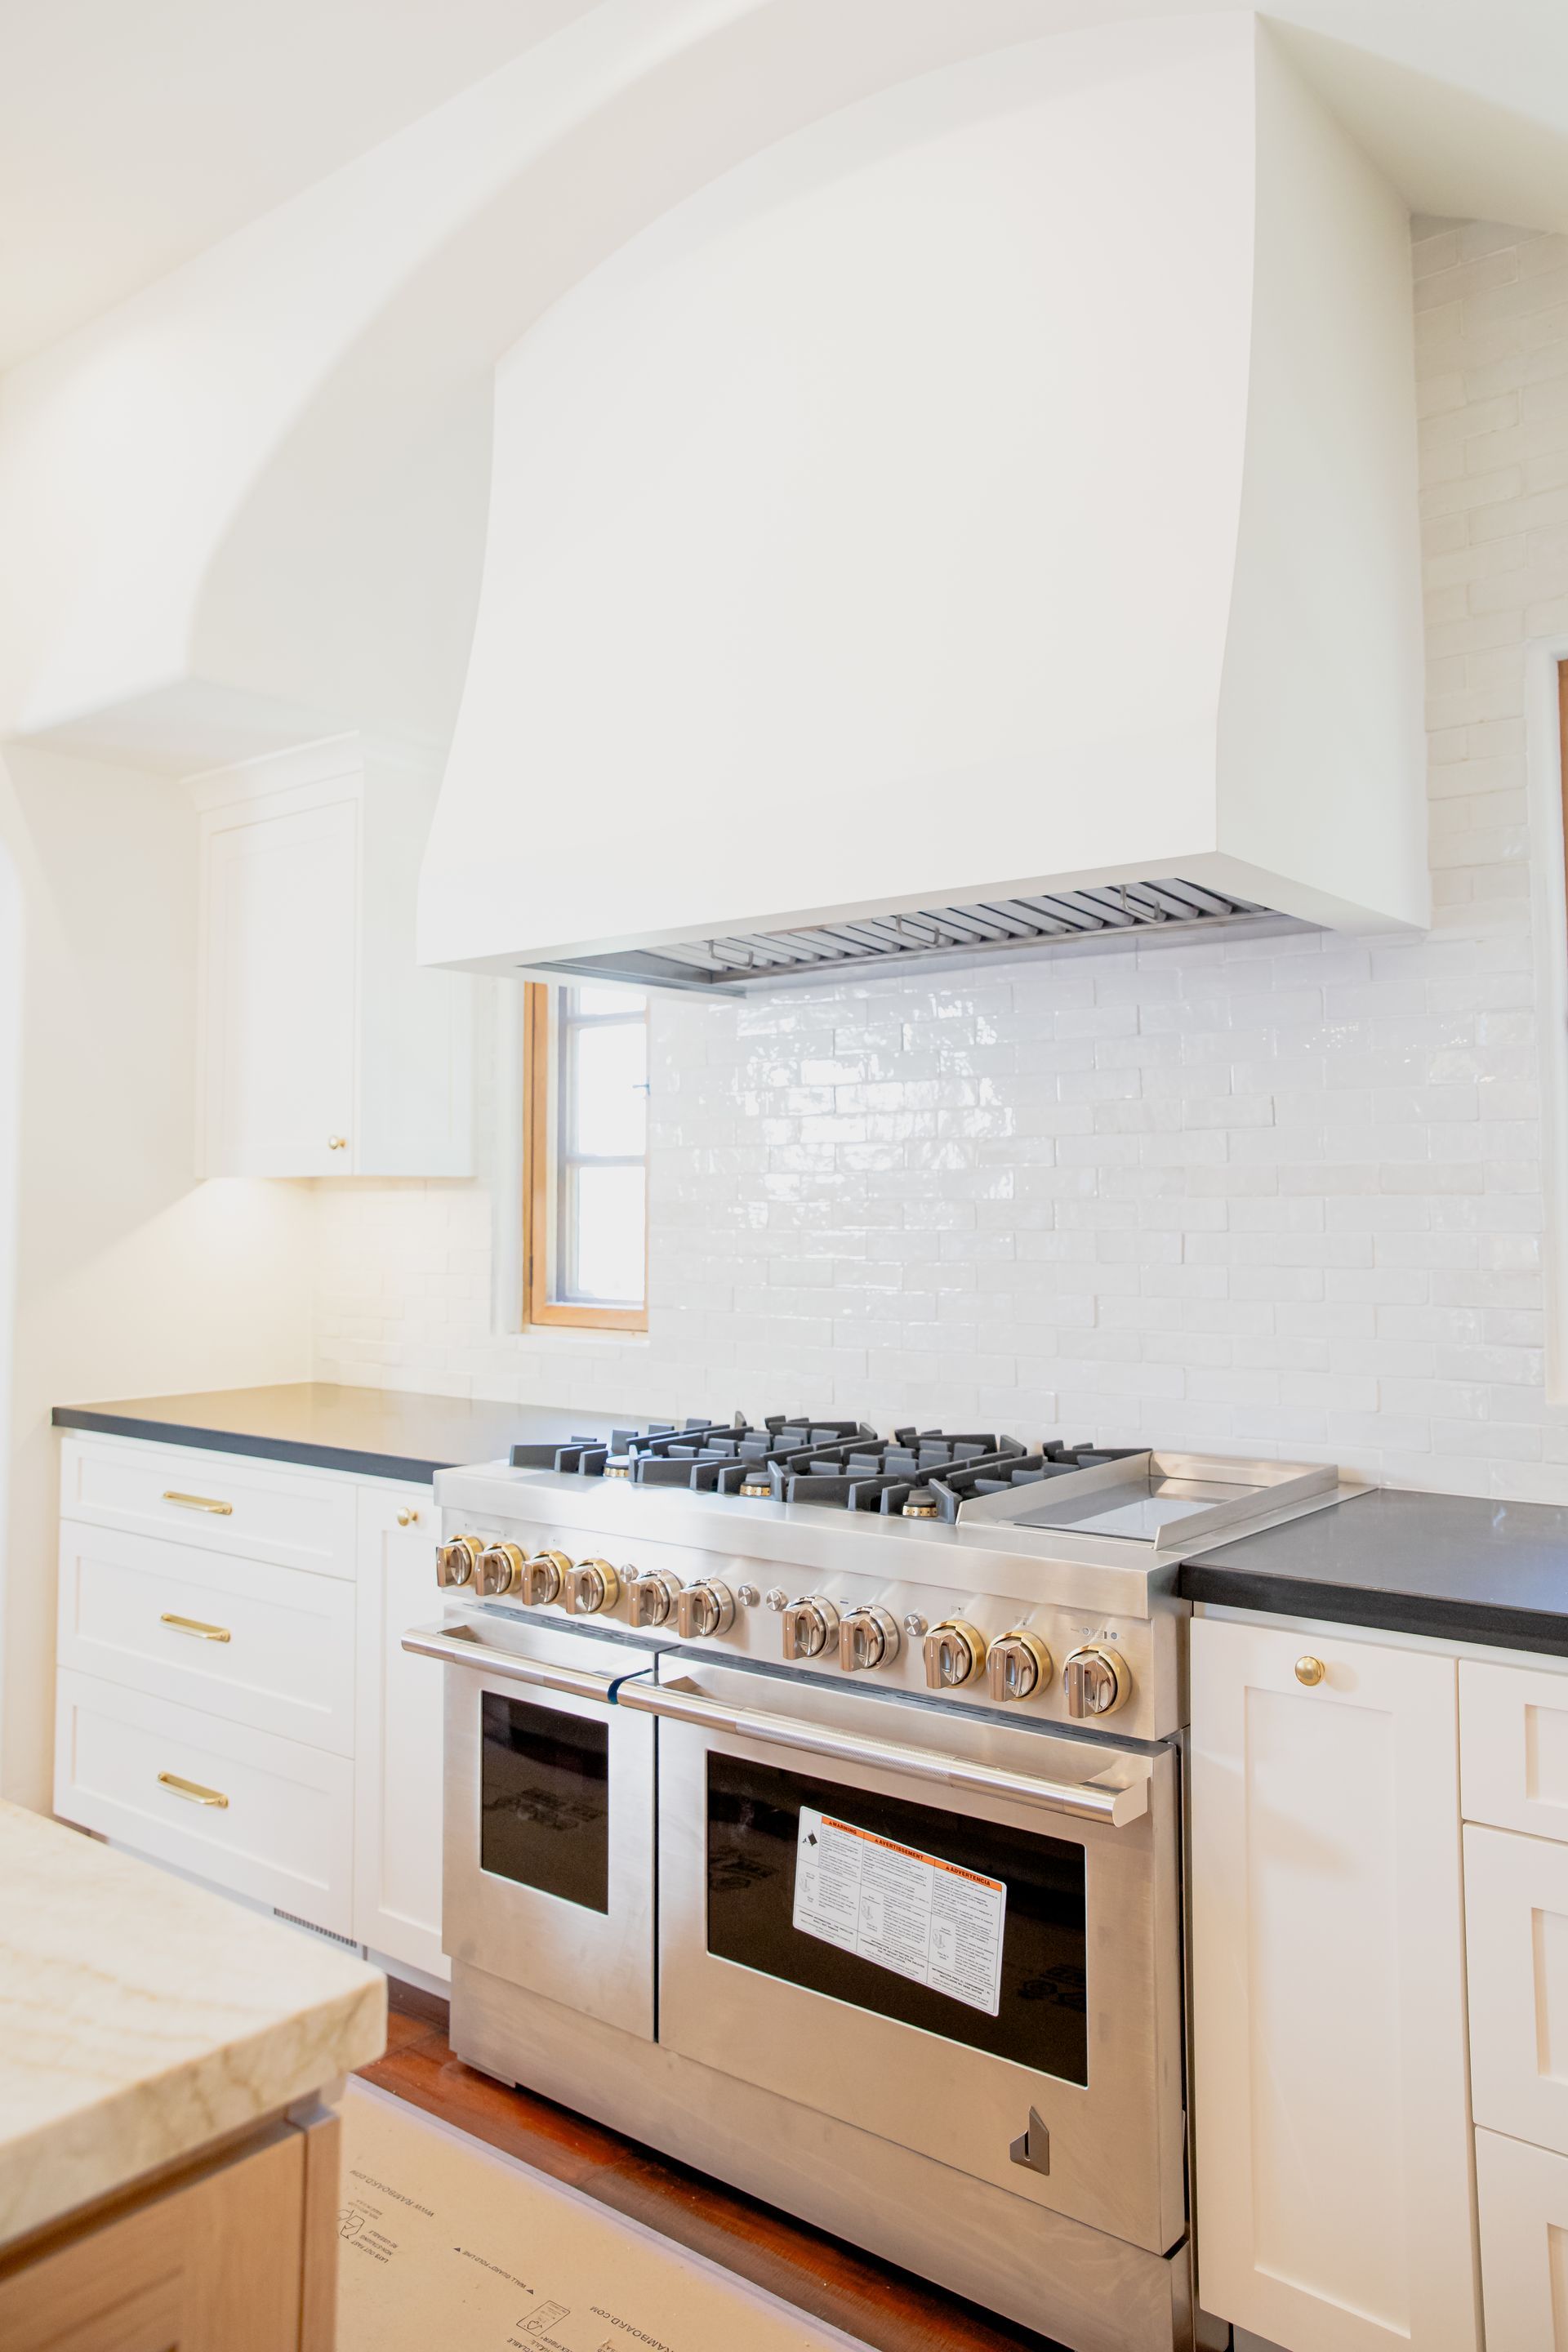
539	1174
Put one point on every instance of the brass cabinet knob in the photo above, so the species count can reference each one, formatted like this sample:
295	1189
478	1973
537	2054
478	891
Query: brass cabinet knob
1310	1671
407	1519
337	1143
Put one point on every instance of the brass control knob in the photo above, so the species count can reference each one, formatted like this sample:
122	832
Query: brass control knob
867	1638
544	1577
1017	1666
704	1609
1096	1682
650	1598
809	1627
591	1586
457	1559
499	1568
954	1653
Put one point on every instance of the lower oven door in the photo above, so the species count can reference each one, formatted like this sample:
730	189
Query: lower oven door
548	1846
959	1934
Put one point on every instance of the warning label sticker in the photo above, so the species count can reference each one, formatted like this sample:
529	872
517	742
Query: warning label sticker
904	1910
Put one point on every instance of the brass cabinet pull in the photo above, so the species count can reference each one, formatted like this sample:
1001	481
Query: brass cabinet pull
194	1625
191	1791
198	1503
337	1143
1310	1671
407	1519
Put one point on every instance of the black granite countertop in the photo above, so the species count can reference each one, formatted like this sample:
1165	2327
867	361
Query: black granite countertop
376	1432
1448	1565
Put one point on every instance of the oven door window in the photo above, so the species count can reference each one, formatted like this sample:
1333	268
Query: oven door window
544	1800
753	1824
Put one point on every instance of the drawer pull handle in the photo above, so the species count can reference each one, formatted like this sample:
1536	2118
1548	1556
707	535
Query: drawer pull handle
198	1503
194	1625
191	1791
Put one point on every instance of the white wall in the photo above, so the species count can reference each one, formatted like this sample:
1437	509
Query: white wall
130	1278
1285	1196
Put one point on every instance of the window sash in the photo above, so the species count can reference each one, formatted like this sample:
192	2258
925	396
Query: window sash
549	1241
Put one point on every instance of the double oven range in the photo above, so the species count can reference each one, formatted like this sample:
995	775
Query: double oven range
813	1812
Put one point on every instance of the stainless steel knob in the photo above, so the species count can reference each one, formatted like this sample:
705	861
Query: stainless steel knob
592	1586
650	1598
544	1578
867	1637
499	1568
954	1653
1096	1682
457	1559
1017	1666
704	1609
809	1627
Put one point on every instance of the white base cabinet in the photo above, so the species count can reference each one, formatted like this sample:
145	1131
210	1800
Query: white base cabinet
232	1698
1333	2196
398	1743
1523	2197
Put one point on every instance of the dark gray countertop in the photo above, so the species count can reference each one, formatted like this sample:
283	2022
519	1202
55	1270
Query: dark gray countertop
377	1433
1449	1565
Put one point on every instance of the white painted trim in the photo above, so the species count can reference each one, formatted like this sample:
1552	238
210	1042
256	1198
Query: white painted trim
506	1200
275	771
1549	931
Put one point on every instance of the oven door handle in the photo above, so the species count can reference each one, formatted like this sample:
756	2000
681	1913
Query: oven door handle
1083	1800
505	1665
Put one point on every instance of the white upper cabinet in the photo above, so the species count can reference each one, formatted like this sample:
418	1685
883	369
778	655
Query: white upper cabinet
325	1050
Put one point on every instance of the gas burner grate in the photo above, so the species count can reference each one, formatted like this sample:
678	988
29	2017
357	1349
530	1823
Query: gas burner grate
921	1473
705	1456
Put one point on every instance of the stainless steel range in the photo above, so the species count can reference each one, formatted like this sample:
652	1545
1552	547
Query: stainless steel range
813	1811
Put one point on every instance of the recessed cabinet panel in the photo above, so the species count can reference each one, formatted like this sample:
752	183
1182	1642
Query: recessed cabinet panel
1332	2127
1516	1909
1513	1733
398	1736
1523	2196
282	953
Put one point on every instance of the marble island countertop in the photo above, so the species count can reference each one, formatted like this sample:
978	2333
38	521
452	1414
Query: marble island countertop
142	2018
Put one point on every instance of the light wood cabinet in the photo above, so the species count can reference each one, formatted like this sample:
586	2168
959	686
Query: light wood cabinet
325	1049
233	2254
1334	2203
398	1749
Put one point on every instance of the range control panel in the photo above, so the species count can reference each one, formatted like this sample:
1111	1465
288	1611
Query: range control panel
976	1649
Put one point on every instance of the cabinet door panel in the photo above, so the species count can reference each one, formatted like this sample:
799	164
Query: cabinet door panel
282	955
399	1741
1525	2244
1513	1736
1516	1909
1332	2133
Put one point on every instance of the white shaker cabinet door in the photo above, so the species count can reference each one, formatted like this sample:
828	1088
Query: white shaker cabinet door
1516	1903
1333	2176
1525	2244
398	1741
280	951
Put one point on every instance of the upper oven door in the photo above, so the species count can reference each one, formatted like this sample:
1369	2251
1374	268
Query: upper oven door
548	1849
945	1946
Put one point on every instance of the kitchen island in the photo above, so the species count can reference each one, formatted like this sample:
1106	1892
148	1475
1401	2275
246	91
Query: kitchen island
168	2168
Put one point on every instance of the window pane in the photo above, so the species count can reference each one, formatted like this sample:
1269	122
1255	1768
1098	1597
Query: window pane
609	1225
620	1002
608	1091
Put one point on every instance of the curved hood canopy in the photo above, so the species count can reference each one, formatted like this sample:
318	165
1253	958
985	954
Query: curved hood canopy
976	510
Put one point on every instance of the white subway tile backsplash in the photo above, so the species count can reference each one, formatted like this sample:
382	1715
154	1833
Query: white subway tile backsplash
1281	1195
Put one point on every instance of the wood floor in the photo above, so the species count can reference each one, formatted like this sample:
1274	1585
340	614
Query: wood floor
883	2307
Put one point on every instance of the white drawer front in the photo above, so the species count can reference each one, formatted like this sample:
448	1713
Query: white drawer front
285	1834
1513	1746
260	1510
1523	2197
270	1647
1516	1910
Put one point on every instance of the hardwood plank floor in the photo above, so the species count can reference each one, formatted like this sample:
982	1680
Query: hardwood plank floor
885	2308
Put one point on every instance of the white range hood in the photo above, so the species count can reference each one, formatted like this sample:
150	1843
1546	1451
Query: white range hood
985	519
